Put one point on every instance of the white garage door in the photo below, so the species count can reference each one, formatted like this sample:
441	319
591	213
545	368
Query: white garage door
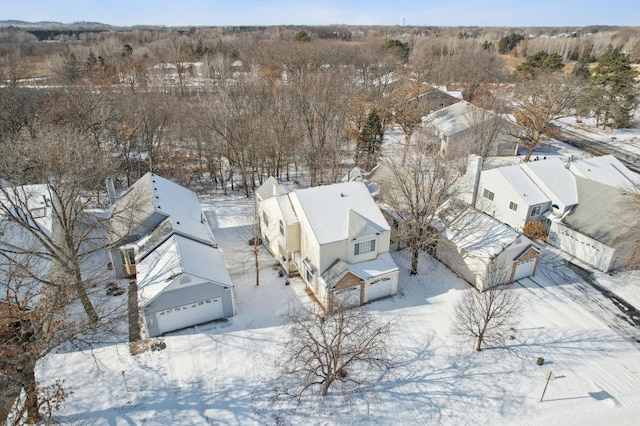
348	297
524	269
188	315
380	288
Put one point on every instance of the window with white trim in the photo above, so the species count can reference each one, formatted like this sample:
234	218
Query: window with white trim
488	194
364	247
536	210
265	219
281	228
513	206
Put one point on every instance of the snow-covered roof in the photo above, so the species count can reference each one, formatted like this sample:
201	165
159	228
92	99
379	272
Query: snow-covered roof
179	255
270	188
328	209
453	93
288	214
33	197
172	199
522	183
554	179
381	265
480	235
455	118
607	170
154	194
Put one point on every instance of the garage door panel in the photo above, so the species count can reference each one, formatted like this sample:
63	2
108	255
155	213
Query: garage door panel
189	315
348	297
380	288
524	269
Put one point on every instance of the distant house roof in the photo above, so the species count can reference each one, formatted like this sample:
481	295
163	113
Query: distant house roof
607	170
328	209
179	255
598	215
554	179
456	118
382	264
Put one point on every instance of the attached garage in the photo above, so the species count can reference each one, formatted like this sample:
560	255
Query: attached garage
188	315
380	288
183	283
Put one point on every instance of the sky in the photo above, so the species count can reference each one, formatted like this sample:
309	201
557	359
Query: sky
509	13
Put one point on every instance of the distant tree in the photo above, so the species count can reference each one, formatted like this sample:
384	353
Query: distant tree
507	43
402	50
581	68
127	50
345	346
302	36
487	45
67	67
613	90
539	63
484	318
370	141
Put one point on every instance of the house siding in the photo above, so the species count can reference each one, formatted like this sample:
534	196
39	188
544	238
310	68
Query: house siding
183	296
581	246
504	194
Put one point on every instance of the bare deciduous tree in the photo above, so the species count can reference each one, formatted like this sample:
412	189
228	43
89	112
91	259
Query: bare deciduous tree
485	317
346	346
73	172
536	103
415	190
31	326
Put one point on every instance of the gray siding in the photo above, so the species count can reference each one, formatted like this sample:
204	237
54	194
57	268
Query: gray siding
184	296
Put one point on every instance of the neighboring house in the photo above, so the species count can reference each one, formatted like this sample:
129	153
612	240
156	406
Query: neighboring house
525	192
338	240
580	203
32	199
484	251
425	97
459	127
159	234
598	230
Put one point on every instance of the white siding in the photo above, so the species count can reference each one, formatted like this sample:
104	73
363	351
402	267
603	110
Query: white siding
584	248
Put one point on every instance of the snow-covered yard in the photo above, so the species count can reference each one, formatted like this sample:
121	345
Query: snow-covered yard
224	372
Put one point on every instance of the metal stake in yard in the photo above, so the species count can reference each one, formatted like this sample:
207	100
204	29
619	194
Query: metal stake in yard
127	386
550	377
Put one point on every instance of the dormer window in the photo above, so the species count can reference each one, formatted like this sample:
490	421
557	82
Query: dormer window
364	247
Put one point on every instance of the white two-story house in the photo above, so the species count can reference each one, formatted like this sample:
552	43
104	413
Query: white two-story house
334	236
